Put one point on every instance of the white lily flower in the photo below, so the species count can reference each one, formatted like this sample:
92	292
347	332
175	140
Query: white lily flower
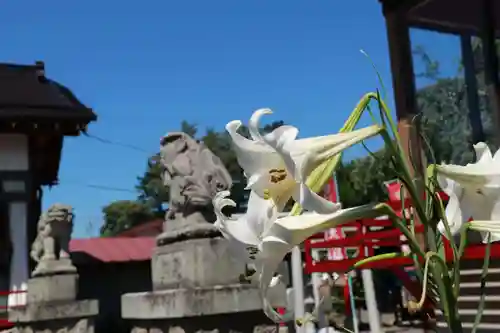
474	192
277	164
271	238
244	234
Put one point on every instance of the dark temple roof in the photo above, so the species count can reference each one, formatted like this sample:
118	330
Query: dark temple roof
447	16
26	93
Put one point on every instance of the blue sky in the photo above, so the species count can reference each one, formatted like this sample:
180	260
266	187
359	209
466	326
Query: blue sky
145	66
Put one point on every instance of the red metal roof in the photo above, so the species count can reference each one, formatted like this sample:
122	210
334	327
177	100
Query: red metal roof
151	228
115	249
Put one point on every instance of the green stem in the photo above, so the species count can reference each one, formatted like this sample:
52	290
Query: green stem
484	275
446	293
398	223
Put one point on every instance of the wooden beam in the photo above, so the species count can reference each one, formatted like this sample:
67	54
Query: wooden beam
491	66
471	89
401	58
403	81
400	5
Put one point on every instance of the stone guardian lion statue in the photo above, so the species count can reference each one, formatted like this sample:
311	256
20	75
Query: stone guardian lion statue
192	173
51	246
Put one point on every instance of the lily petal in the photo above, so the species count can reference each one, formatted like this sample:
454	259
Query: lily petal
261	213
469	174
495	221
454	215
486	170
486	227
273	250
253	124
314	202
303	155
248	150
257	159
474	191
342	141
296	229
219	202
290	231
483	153
241	233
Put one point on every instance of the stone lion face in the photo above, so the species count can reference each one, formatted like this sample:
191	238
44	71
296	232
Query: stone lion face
60	213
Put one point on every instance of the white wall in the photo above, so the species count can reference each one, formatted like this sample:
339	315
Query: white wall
18	234
14	156
14	152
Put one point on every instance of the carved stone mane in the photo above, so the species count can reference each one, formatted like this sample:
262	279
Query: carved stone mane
193	174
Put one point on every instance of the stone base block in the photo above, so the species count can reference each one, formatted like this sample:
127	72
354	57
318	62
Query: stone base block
242	322
194	263
179	329
50	311
85	325
181	222
50	288
179	303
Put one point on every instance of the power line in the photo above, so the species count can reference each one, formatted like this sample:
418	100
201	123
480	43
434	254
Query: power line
107	187
97	186
116	143
110	188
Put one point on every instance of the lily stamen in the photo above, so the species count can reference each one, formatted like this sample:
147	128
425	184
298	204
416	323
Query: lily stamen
267	194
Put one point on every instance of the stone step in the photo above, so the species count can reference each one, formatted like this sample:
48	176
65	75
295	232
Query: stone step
474	289
478	264
442	327
471	275
492	314
491	302
474	275
470	294
489	321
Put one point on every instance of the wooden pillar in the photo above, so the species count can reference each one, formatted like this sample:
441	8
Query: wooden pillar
403	80
471	88
35	211
34	197
491	66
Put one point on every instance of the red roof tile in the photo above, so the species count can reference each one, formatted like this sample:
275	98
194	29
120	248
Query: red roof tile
115	249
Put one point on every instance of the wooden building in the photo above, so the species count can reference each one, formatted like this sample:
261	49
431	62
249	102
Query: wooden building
36	113
466	19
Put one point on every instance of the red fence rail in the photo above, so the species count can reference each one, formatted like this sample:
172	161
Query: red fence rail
363	239
4	309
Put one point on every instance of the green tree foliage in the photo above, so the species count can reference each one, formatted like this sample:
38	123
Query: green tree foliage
360	181
124	214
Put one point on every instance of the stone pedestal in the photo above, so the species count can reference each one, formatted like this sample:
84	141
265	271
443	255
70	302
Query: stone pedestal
54	266
52	288
194	263
52	307
179	303
195	287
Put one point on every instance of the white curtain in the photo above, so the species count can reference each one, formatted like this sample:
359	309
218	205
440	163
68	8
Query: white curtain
19	261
